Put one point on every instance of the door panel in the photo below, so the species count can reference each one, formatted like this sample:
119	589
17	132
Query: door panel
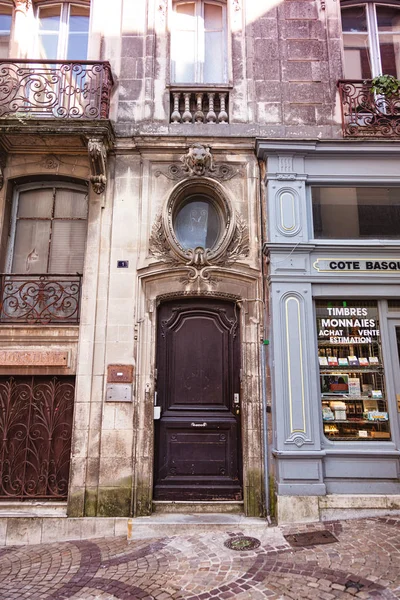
197	454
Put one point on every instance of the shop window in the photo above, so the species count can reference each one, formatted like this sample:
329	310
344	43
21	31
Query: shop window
6	11
353	397
49	230
63	31
371	39
199	42
356	212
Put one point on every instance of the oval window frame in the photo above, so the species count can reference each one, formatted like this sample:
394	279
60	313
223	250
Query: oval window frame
219	200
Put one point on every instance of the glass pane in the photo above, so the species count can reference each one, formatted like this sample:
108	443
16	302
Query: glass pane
5	18
183	43
71	203
183	54
390	54
212	17
49	27
356	212
36	203
214	69
78	33
31	246
388	18
49	18
5	27
67	247
197	224
357	62
353	397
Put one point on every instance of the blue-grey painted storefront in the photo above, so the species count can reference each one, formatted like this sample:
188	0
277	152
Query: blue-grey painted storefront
301	270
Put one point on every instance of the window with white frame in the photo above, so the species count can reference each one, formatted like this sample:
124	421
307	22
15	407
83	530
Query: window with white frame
371	39
48	233
199	42
6	12
63	31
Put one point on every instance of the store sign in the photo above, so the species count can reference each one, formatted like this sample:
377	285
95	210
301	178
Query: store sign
29	358
347	325
340	265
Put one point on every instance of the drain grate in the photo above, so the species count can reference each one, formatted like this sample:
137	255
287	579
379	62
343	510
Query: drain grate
242	543
310	538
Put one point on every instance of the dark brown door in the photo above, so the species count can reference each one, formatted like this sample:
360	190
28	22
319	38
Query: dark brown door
197	454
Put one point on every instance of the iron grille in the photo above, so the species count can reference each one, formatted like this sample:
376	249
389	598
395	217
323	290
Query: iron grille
62	90
366	114
40	299
35	433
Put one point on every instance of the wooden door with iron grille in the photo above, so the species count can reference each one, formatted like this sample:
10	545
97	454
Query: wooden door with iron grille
197	438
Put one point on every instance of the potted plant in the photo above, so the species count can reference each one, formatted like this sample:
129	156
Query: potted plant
385	85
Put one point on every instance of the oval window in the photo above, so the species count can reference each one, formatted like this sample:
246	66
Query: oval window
197	223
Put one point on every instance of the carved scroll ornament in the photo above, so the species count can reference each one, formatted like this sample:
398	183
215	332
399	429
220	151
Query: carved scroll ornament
98	164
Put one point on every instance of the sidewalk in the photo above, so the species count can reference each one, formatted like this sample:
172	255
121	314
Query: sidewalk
196	565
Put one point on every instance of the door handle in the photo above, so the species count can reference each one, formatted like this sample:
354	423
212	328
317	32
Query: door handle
198	424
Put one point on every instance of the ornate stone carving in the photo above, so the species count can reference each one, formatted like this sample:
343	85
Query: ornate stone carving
98	164
26	4
199	262
50	162
198	161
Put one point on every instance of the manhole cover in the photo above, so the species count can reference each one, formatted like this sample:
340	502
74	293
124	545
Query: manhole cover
242	543
311	538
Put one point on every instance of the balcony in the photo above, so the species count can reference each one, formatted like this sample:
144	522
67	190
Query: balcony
57	90
368	115
199	106
40	299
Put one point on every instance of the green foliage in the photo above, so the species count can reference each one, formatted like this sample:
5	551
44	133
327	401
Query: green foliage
387	85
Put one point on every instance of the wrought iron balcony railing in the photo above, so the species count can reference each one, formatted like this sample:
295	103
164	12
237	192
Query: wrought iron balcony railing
199	106
40	299
366	114
59	90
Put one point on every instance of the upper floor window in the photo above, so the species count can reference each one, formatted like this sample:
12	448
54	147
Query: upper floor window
356	212
199	42
6	11
371	38
49	230
63	31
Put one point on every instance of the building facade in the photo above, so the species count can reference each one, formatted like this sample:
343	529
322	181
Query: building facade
181	182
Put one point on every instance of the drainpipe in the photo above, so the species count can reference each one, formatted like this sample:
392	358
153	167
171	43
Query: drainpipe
264	344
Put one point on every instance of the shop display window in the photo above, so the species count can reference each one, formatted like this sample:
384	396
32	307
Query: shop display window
356	212
353	397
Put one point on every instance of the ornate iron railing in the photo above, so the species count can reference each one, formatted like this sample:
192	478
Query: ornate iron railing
199	106
61	90
365	114
40	299
35	436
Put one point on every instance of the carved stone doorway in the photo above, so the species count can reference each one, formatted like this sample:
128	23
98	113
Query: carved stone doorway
197	438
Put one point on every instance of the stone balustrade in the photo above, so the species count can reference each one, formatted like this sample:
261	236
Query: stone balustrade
199	106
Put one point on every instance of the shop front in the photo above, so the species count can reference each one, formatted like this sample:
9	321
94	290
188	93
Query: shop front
333	291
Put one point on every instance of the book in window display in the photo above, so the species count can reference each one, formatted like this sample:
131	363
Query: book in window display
351	369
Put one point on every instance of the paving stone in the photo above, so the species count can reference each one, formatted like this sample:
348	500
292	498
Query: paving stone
364	563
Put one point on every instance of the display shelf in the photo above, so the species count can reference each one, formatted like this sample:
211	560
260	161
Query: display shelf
348	332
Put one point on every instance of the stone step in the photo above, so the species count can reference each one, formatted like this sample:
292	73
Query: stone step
169	524
189	507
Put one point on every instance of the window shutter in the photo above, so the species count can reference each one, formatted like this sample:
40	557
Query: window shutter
68	243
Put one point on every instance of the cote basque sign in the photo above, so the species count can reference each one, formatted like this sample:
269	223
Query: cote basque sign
364	265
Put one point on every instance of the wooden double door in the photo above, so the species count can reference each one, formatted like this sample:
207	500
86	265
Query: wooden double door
197	438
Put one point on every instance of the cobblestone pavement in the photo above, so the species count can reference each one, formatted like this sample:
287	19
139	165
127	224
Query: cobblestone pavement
364	563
